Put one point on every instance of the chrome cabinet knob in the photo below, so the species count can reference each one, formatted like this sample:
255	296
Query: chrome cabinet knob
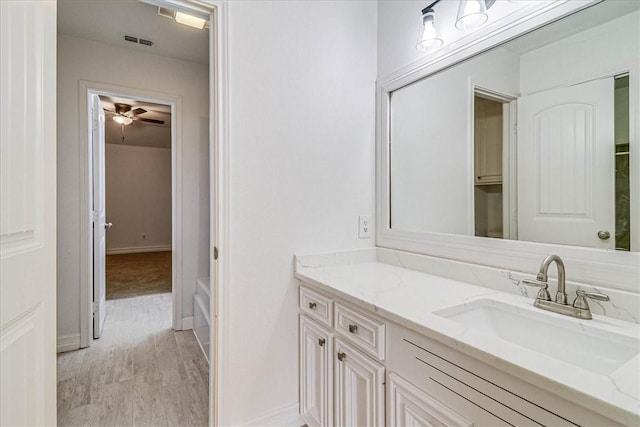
321	342
108	225
604	235
312	305
341	356
353	329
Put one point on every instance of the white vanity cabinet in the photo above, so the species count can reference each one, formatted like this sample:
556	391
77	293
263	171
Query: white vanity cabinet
341	377
360	369
474	392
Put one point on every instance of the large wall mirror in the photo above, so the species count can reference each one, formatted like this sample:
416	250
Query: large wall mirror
527	141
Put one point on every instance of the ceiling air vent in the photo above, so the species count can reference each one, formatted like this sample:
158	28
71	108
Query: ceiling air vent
138	40
131	39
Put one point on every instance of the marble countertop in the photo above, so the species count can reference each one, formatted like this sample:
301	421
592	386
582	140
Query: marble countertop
389	284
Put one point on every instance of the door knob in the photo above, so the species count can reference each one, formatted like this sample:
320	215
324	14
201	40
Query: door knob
603	234
108	225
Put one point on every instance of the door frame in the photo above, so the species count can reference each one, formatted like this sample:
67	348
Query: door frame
87	90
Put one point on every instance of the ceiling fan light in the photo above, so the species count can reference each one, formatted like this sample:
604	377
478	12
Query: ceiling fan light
192	21
122	120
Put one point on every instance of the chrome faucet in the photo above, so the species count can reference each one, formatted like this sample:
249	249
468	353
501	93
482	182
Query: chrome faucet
561	294
579	308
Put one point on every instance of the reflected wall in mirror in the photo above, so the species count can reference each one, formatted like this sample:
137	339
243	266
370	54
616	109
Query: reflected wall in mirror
527	141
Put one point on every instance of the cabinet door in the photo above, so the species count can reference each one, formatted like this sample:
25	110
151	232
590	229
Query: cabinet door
359	388
411	407
316	374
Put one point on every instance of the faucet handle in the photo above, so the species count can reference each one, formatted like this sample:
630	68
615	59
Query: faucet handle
543	293
581	298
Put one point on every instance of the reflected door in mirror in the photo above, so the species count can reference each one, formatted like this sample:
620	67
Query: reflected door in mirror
566	165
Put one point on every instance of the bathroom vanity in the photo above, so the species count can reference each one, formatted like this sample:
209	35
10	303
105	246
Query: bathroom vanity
510	143
394	338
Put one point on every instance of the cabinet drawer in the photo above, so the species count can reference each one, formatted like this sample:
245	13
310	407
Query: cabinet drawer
316	305
362	330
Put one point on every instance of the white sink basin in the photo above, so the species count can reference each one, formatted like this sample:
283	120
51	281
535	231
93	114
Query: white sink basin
578	342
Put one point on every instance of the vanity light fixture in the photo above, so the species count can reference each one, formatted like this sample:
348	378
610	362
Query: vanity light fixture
429	37
471	14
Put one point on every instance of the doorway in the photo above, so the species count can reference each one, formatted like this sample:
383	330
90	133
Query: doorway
494	174
194	122
138	200
127	237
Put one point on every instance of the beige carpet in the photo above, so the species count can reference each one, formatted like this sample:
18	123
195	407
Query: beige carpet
130	275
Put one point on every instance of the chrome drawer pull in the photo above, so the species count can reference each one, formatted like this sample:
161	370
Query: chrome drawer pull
353	329
312	305
341	356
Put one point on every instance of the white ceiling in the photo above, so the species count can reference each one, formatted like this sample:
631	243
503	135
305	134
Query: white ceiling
108	20
139	133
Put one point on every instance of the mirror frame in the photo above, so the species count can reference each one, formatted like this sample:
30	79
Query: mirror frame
608	268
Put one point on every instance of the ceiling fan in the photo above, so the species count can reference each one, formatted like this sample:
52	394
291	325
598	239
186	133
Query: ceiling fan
124	115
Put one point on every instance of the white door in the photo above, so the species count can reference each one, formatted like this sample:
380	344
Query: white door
359	388
316	374
566	165
99	216
28	213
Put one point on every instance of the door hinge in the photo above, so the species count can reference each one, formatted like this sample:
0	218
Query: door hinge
215	253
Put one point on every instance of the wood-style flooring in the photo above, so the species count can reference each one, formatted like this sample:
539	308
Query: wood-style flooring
131	275
139	373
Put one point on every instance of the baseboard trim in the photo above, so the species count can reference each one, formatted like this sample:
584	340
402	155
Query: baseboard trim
68	343
187	323
286	416
138	249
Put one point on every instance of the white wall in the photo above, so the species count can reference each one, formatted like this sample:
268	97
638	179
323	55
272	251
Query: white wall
138	197
80	59
302	92
432	149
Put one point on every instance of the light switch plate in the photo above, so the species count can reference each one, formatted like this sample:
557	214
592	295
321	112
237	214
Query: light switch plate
364	227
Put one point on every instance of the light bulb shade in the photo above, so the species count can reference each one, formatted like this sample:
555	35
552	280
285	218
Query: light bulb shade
429	37
471	14
122	120
190	20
